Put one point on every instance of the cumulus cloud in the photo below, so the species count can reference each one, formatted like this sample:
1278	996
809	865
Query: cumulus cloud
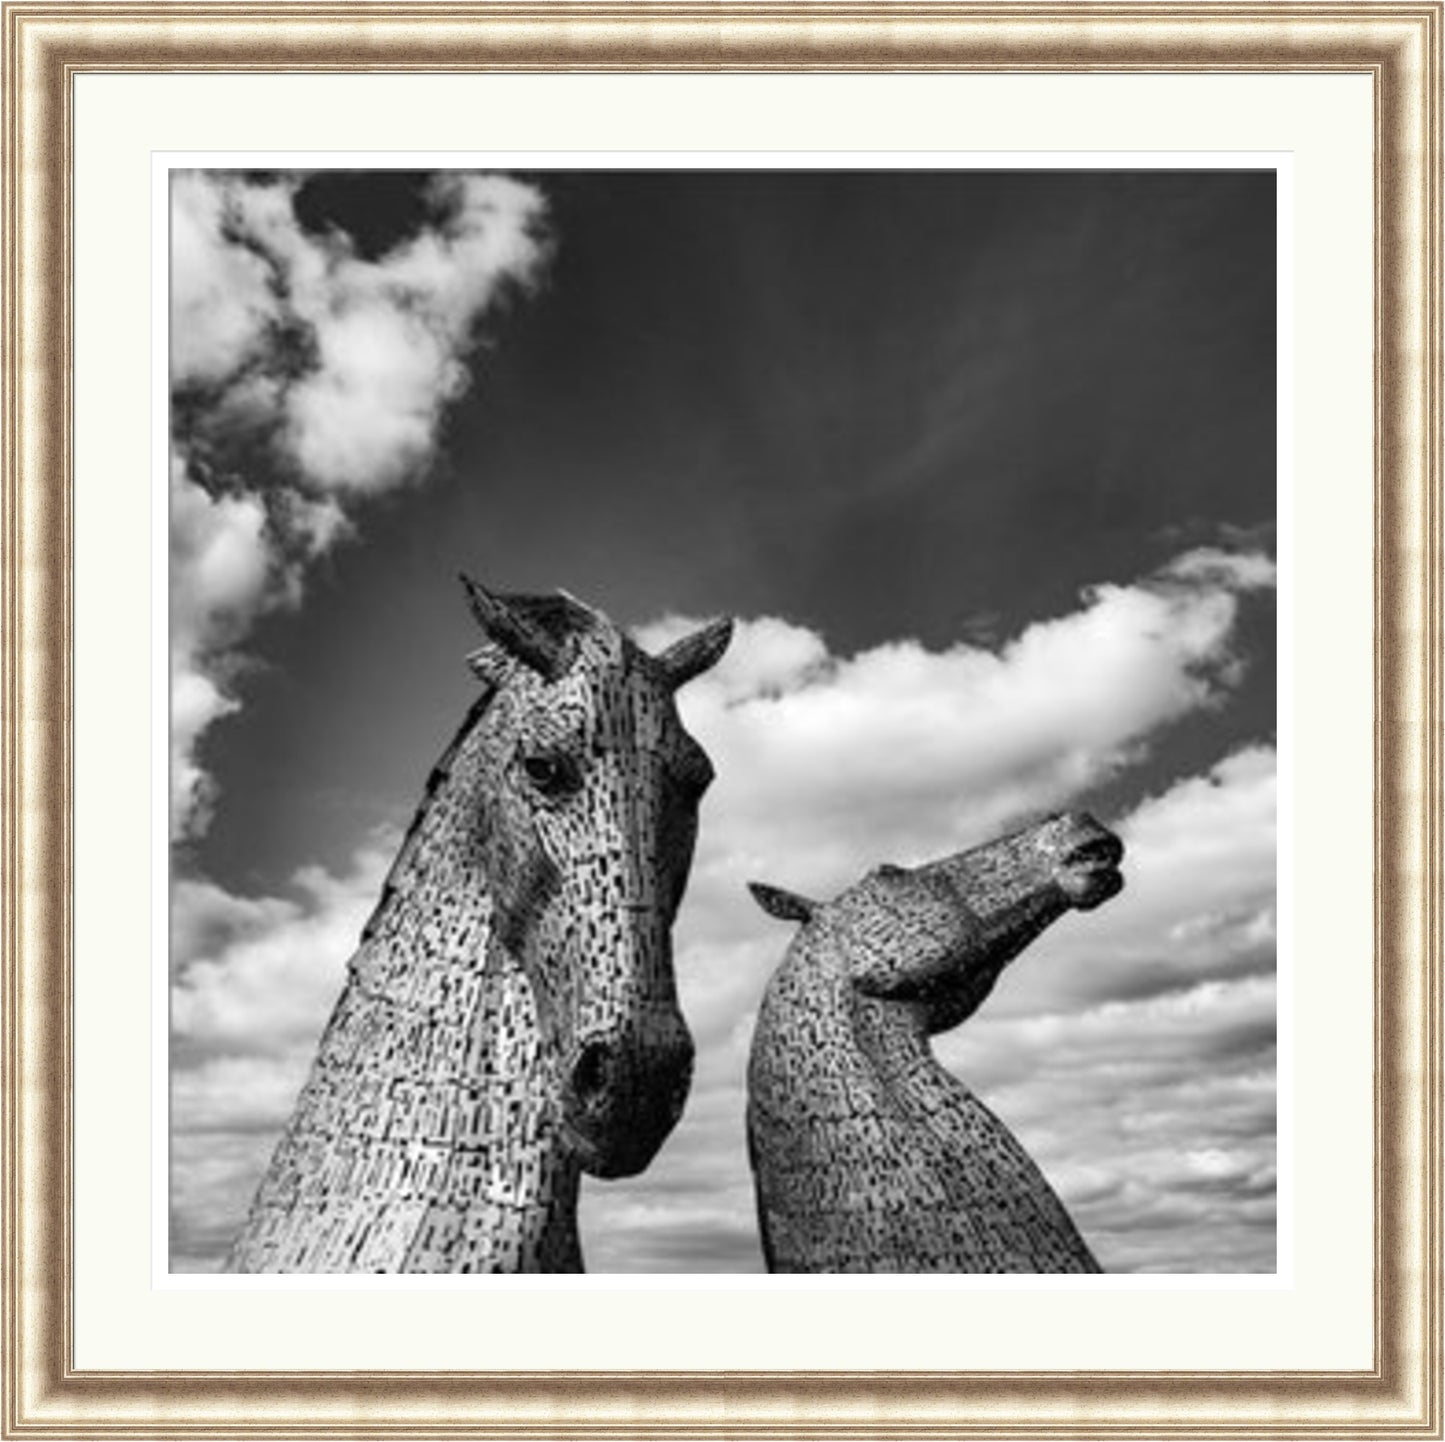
305	377
1131	1049
901	753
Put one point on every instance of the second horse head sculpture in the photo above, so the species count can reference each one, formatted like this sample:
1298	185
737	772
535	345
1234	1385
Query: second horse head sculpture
510	1018
868	1156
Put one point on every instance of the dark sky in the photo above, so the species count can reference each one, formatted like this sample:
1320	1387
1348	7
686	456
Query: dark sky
931	404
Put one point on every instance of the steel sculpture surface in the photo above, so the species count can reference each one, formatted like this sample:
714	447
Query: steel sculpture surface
510	1017
868	1156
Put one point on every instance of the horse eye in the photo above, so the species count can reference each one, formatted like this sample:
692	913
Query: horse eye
889	869
551	775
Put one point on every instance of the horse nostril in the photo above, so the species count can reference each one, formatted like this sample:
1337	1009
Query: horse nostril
590	1074
1104	849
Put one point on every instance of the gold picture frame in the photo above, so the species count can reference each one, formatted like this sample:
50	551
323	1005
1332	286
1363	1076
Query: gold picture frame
47	45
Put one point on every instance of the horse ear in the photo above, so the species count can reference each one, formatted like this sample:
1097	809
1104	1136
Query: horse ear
515	633
696	653
785	905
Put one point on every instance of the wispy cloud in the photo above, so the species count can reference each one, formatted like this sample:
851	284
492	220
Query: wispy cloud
1143	1032
305	378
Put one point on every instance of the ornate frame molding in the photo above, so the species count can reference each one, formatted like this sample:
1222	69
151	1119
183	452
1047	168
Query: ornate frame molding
47	44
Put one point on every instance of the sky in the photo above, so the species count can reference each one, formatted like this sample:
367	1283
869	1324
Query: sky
983	463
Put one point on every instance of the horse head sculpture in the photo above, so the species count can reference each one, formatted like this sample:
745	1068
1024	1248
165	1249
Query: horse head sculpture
868	1155
510	1018
586	840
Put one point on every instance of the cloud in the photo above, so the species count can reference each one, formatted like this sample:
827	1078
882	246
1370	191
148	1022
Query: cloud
305	378
222	298
1155	1119
1131	1049
1244	570
902	753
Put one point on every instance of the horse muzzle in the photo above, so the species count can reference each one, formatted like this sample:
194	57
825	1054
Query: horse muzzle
624	1094
1086	859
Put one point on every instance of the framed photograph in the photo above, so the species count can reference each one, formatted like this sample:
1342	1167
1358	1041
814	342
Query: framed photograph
895	895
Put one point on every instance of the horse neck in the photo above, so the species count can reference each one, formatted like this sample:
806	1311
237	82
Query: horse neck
846	1084
816	1033
426	1138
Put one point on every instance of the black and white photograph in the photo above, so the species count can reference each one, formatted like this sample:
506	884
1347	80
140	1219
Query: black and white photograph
724	720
